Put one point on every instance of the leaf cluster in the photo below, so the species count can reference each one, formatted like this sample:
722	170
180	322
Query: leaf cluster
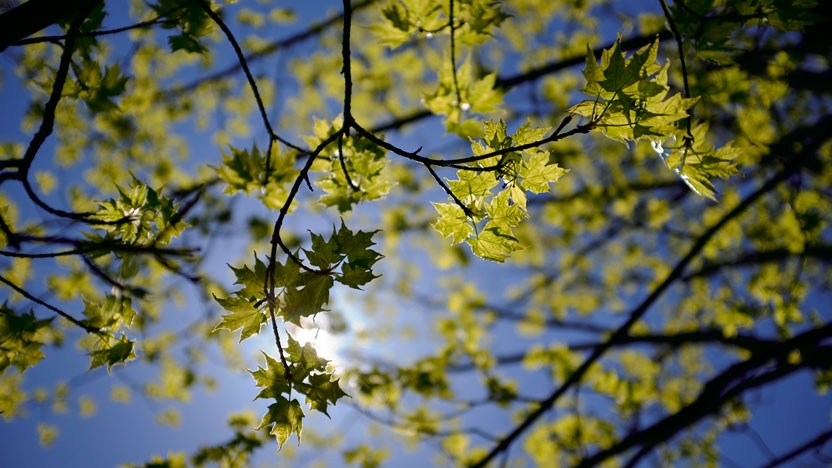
480	217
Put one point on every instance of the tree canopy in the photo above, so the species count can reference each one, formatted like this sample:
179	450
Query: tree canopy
497	233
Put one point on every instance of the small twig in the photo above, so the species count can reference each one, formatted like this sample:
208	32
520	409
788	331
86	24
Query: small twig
48	122
105	32
678	38
280	352
251	82
99	272
89	329
453	59
175	269
343	162
450	193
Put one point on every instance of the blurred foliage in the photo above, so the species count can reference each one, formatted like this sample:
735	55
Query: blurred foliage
609	221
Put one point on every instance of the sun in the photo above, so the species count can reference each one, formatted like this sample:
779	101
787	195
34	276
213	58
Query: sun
328	346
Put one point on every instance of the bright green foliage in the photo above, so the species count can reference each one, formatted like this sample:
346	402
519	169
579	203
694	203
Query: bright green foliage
111	315
403	20
489	221
461	93
630	95
697	162
613	318
20	339
453	222
246	307
111	351
245	171
244	315
306	374
363	161
303	294
631	103
140	216
283	419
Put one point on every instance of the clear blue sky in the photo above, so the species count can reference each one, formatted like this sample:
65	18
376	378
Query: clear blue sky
128	433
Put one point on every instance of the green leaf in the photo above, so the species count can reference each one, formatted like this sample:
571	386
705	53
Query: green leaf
494	244
305	357
324	254
472	183
322	392
287	275
242	170
21	339
252	281
307	301
284	418
354	276
504	214
272	379
537	172
243	316
112	314
356	246
452	222
112	352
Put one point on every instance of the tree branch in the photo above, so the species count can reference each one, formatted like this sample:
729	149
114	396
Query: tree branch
311	32
35	15
731	383
89	329
636	314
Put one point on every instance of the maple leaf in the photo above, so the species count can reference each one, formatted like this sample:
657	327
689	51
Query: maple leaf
494	244
251	280
243	316
322	392
452	222
19	339
308	300
472	183
272	379
285	418
537	173
112	353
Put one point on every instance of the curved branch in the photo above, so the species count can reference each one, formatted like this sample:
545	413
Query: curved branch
251	82
87	328
48	121
36	15
731	383
784	146
509	82
313	31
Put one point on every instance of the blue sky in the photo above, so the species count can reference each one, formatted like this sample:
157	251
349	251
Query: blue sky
128	433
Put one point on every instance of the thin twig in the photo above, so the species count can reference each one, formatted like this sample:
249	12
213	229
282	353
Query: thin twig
89	329
634	316
312	32
453	59
251	82
678	38
48	122
106	32
450	193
